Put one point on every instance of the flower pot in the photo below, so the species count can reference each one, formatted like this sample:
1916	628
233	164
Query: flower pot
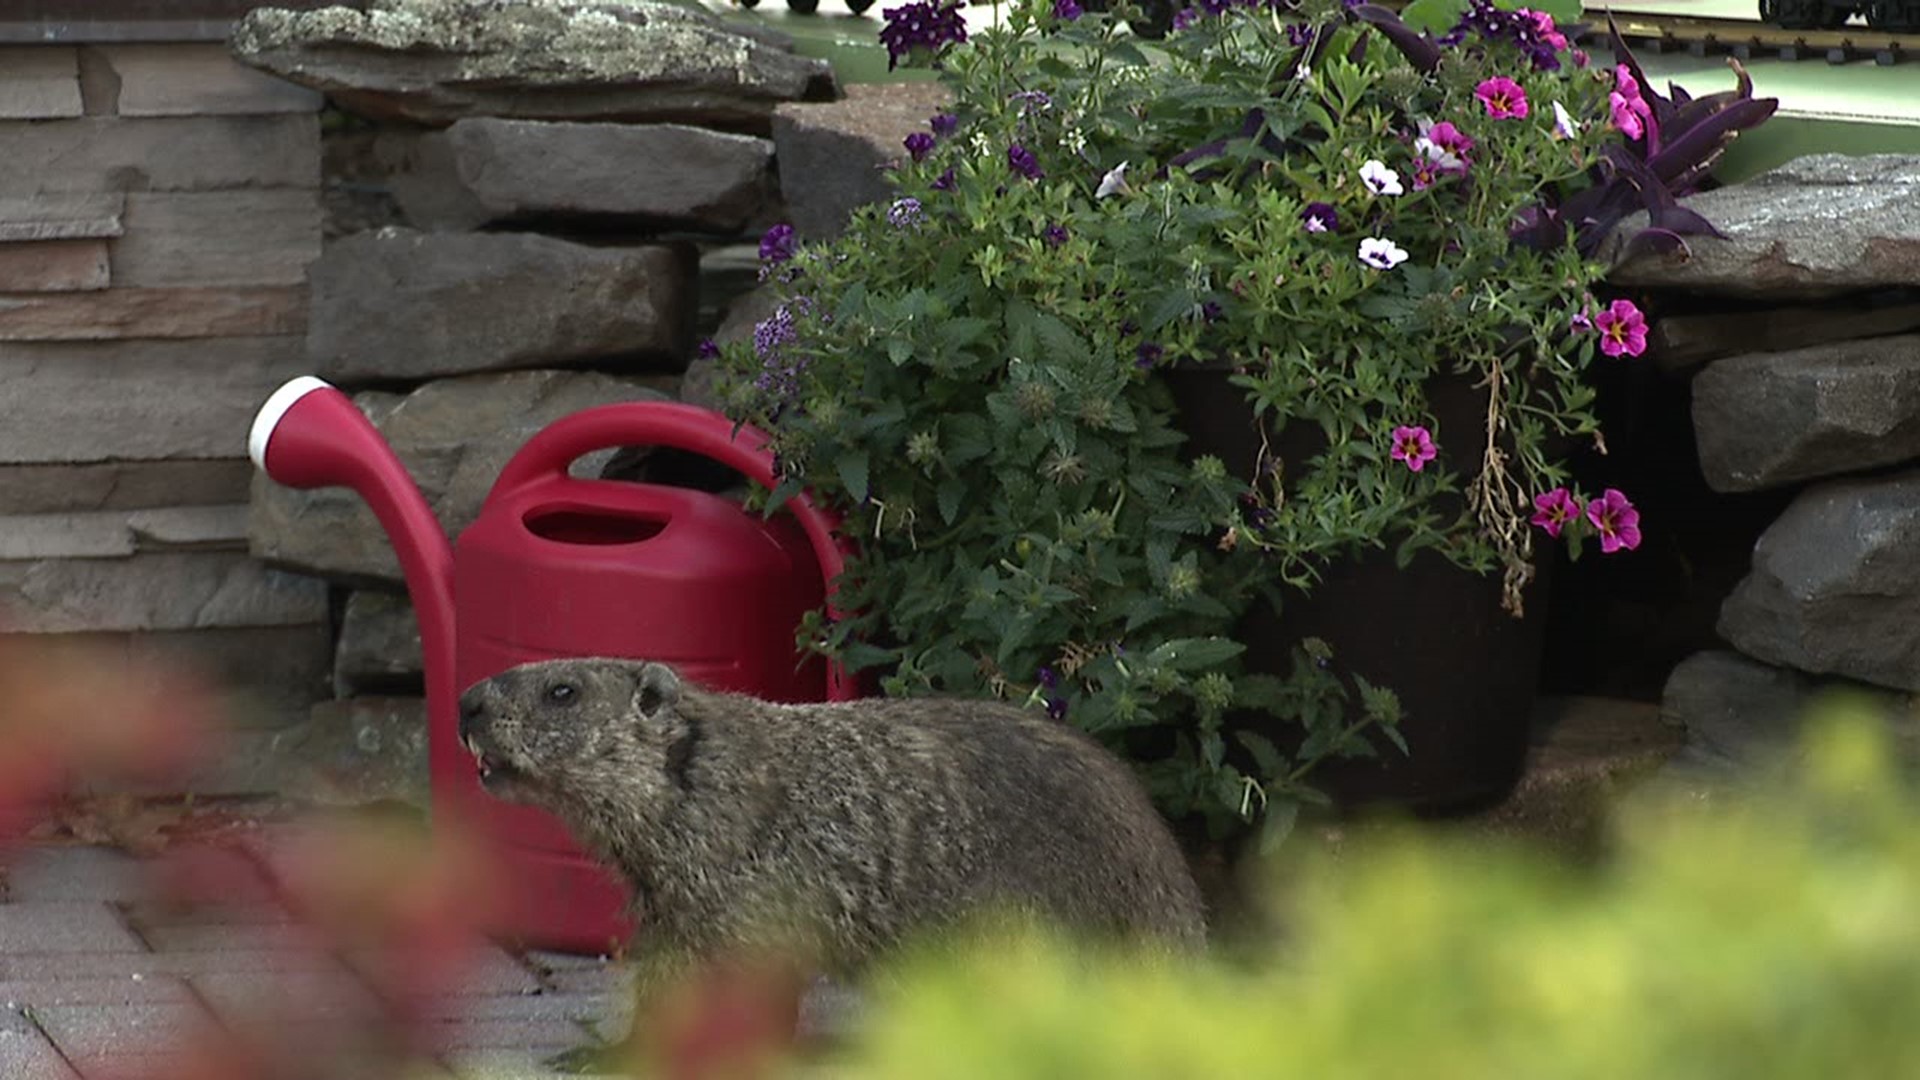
1466	672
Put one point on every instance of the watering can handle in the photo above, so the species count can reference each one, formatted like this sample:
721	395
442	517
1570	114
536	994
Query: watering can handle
697	431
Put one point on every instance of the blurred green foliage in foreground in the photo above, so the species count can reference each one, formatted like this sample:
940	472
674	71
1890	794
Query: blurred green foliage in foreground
1771	935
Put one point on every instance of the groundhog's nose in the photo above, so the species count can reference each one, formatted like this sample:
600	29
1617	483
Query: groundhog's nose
472	708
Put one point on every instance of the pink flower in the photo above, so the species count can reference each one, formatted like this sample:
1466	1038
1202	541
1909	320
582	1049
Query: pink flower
1631	113
1543	26
1447	137
1615	519
1623	329
1413	445
1553	510
1504	98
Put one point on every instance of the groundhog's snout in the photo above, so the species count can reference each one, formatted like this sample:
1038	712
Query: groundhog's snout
476	732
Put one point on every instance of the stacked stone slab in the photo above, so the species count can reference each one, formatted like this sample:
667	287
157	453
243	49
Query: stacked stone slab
553	180
1819	391
158	206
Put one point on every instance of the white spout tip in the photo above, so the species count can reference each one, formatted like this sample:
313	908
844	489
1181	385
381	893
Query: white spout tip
276	407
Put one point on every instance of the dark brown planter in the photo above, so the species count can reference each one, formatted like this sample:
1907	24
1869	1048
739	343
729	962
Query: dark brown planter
1467	674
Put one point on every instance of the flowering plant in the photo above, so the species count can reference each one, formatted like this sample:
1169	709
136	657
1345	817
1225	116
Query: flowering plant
1322	204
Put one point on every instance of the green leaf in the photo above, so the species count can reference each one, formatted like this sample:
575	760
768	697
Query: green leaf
949	495
852	469
1278	825
1194	654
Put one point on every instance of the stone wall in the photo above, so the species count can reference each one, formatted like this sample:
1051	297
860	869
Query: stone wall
158	206
1800	332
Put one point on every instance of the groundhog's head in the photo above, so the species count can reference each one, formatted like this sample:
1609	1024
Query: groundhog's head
562	732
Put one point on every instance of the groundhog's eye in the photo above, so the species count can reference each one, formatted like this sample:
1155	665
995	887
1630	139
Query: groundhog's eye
561	694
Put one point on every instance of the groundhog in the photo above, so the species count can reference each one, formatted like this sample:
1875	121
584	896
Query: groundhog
833	829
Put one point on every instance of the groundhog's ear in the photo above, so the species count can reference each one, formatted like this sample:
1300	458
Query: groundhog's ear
655	685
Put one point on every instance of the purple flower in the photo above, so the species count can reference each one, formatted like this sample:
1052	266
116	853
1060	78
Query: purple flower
905	213
1413	445
1503	98
1066	10
773	333
1054	235
1299	35
1057	708
1147	355
921	26
943	124
1554	510
919	145
1031	100
1184	18
943	182
1021	160
1623	329
1615	519
1047	678
708	350
1211	312
776	244
1319	217
1531	32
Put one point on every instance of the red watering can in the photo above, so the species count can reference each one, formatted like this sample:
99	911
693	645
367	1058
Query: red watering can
558	565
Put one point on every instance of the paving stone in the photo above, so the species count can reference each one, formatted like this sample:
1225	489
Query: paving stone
257	938
75	873
42	993
99	1038
241	999
26	1053
496	1064
140	963
56	926
192	80
199	153
543	1037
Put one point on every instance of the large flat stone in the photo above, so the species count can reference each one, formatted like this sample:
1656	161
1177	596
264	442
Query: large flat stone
1816	226
103	534
397	304
834	156
53	266
1680	343
434	62
482	171
198	80
218	238
1741	715
1835	584
356	751
1777	418
75	402
232	311
199	153
42	83
454	435
123	485
59	216
173	591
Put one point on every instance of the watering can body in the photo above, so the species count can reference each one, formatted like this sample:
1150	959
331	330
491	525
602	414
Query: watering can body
557	566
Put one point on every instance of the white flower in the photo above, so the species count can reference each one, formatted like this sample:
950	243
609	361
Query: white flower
1381	253
1443	159
1563	125
1379	179
1114	183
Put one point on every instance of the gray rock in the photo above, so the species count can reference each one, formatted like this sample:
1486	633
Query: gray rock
123	485
1816	226
833	157
484	171
104	534
1835	584
1740	713
454	435
355	751
171	591
436	61
396	304
1680	343
1777	418
379	650
700	384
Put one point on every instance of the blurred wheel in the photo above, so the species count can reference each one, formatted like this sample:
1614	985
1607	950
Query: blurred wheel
804	7
859	6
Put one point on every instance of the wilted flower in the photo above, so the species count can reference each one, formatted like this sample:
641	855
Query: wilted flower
1413	445
1563	125
1623	329
1299	35
1379	179
943	124
919	145
1554	510
1319	217
1504	98
943	182
1615	519
1113	183
1381	253
1054	235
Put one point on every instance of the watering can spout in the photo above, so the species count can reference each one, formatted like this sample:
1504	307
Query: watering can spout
310	435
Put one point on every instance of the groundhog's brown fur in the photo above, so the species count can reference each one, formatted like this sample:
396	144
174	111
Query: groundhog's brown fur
835	829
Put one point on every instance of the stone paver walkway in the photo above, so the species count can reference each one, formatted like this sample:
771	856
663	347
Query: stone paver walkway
99	981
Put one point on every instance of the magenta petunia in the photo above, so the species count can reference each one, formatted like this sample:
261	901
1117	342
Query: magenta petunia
1503	98
1554	510
1623	329
1413	445
1615	519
